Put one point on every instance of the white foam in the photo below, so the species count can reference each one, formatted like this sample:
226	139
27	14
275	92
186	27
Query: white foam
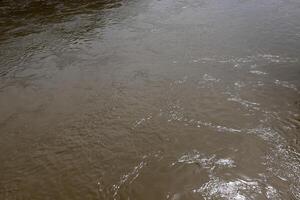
236	190
272	193
209	162
128	178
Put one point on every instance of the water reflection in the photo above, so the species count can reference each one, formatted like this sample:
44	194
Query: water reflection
20	18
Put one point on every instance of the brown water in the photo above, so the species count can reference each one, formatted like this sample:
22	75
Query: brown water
150	99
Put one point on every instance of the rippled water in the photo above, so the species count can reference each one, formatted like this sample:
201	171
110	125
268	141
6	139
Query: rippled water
150	99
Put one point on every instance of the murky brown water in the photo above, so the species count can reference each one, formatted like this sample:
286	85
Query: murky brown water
150	99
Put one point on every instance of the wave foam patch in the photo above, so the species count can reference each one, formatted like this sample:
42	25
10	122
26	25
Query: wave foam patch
277	59
245	103
247	61
217	187
286	84
235	190
266	133
209	162
208	81
282	162
128	178
258	72
207	77
141	121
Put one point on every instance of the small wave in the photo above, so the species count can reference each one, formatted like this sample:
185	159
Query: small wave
208	81
266	133
128	178
176	113
245	103
183	80
219	188
251	61
207	77
209	162
239	84
141	121
272	193
202	60
258	72
235	190
283	161
286	84
277	59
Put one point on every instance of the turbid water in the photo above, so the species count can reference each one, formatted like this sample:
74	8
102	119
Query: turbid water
150	99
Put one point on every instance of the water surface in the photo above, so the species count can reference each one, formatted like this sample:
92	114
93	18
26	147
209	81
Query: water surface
150	99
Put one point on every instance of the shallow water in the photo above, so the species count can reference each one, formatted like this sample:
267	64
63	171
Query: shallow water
150	99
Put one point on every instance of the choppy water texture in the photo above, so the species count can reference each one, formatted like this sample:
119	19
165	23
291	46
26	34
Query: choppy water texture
150	99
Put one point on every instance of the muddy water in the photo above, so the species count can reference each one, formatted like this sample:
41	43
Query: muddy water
150	99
